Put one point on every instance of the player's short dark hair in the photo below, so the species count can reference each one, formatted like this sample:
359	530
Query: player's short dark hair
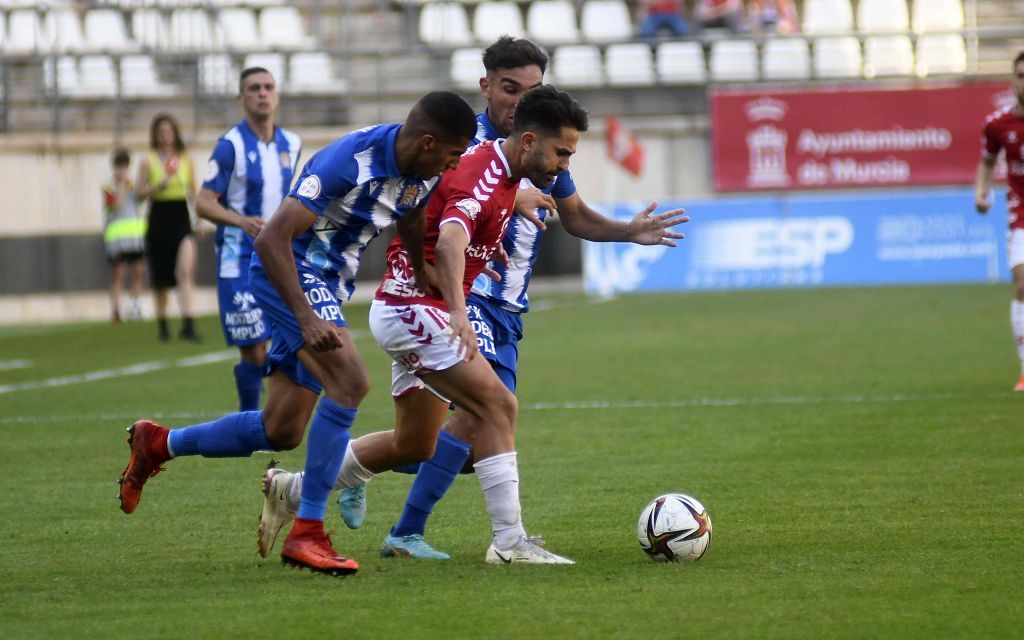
1019	59
251	71
512	53
444	115
120	157
546	109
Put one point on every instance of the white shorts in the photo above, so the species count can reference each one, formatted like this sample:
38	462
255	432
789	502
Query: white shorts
416	337
1015	247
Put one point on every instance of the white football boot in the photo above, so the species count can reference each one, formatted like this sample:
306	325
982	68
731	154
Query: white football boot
276	511
525	552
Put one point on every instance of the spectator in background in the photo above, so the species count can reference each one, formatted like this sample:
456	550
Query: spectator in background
662	17
774	16
722	14
167	179
123	236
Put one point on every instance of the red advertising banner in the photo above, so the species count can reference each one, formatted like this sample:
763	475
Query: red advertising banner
848	137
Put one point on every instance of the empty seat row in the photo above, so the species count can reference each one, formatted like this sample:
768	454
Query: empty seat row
302	73
62	30
883	16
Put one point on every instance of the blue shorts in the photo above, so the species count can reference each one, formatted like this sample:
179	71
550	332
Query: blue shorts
240	317
285	332
498	332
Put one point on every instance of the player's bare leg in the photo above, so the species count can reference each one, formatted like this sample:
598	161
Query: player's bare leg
184	273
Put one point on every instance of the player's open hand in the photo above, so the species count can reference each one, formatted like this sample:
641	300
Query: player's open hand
321	336
529	200
499	256
648	229
463	336
982	203
251	225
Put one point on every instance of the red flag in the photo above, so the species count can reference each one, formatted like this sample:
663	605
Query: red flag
623	147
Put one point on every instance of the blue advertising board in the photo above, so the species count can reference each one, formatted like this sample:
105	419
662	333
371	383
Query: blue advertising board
905	237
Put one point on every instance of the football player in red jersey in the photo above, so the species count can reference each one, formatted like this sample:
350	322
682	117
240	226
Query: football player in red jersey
1004	129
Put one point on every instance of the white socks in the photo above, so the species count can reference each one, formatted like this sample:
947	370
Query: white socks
352	473
499	478
1017	322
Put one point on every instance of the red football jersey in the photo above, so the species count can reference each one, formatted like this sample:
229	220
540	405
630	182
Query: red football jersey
480	197
1005	130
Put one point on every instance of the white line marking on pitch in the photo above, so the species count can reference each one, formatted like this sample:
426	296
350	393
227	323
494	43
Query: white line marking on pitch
7	365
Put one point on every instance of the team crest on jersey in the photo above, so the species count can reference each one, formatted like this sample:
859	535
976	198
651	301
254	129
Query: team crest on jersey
310	187
469	206
408	196
252	156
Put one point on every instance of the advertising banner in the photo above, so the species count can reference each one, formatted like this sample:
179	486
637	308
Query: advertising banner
906	237
847	137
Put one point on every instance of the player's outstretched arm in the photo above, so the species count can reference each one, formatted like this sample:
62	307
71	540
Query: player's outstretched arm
583	222
450	259
274	247
983	184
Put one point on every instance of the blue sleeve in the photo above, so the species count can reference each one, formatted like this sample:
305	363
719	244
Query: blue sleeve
563	186
218	171
329	174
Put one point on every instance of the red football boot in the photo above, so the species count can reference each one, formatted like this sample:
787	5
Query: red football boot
308	546
148	442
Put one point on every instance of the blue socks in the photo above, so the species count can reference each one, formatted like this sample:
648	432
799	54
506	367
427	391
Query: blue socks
431	483
233	436
325	450
249	382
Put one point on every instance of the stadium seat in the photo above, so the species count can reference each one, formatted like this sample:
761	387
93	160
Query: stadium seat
629	65
681	63
217	74
64	30
940	54
3	30
785	59
494	19
827	17
239	27
96	76
313	73
192	30
882	16
281	28
25	33
272	62
445	24
105	31
606	21
60	75
149	28
467	68
577	65
552	22
937	15
139	78
837	57
888	56
733	60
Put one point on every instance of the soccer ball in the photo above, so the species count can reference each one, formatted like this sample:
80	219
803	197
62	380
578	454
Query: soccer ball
674	527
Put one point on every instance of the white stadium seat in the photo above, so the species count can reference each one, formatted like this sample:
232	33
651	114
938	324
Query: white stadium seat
937	15
827	17
837	57
888	56
494	19
467	68
25	33
192	30
239	27
97	77
577	65
61	77
629	65
882	16
681	63
217	74
149	28
65	30
445	23
606	21
139	78
281	28
272	62
940	54
105	31
785	59
552	21
313	73
3	29
733	60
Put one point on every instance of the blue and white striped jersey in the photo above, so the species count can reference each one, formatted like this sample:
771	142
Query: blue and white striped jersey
521	240
252	178
354	187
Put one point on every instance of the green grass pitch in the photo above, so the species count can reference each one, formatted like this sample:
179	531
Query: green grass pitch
859	450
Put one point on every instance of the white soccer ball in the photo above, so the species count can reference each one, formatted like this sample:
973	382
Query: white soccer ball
674	527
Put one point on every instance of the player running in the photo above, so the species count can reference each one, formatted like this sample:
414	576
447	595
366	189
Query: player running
249	174
1004	129
305	266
